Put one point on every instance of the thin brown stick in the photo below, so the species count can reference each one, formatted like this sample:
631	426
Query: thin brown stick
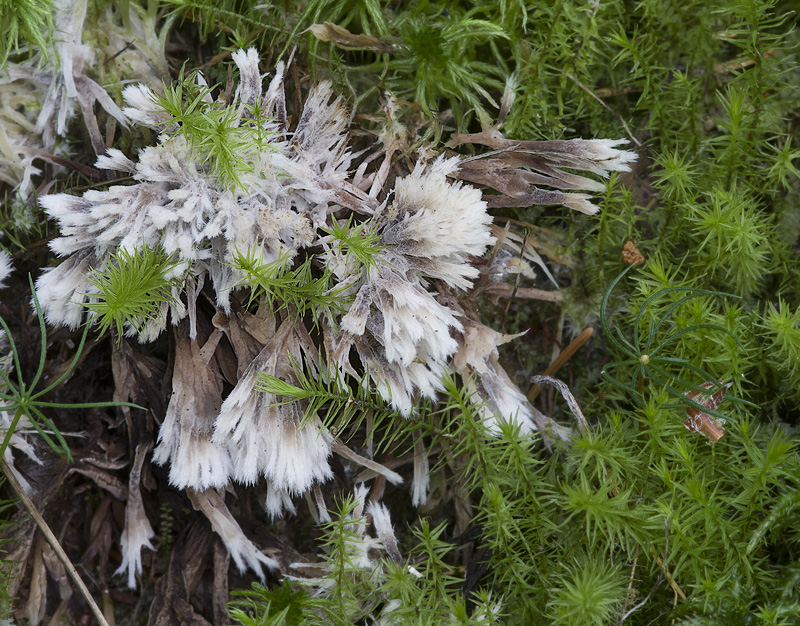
508	291
51	539
342	450
661	576
500	236
675	588
567	395
563	357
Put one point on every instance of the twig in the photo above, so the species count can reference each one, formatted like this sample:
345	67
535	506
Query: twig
507	291
661	575
342	450
563	357
631	592
675	587
51	539
605	106
609	93
567	395
499	239
92	173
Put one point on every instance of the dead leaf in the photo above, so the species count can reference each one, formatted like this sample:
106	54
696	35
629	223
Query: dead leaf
517	168
243	551
185	434
104	480
57	571
99	536
221	595
37	592
138	378
247	333
18	539
332	33
111	456
171	606
17	547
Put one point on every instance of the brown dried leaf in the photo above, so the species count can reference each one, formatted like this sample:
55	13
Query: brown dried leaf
329	32
37	592
516	168
243	551
221	595
104	480
247	333
187	616
110	459
170	606
17	540
193	408
57	570
138	378
99	535
503	169
17	549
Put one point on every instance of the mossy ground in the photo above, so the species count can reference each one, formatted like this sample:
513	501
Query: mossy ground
639	520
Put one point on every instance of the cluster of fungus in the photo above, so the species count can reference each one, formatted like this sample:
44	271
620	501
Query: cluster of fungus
402	328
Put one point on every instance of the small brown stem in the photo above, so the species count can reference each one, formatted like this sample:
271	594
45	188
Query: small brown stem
567	395
564	356
51	539
508	291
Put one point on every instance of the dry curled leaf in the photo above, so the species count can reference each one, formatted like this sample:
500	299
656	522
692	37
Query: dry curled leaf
185	435
37	590
104	480
517	169
243	551
57	570
631	254
699	421
342	37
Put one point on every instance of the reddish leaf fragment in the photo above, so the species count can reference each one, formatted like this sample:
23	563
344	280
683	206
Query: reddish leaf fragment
697	420
631	255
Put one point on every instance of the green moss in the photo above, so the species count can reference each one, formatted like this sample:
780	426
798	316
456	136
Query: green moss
641	517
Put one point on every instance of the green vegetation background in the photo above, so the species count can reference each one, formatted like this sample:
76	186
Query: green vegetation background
639	520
